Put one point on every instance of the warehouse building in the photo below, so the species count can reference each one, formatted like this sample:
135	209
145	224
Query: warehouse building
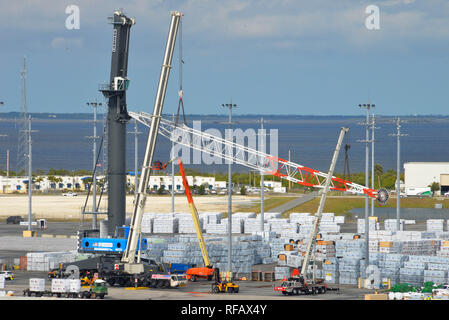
422	174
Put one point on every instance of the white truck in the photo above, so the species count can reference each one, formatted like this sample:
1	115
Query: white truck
444	291
418	192
168	280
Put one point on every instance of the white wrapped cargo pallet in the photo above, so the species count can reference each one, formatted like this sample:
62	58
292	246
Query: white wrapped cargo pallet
339	219
211	217
278	225
435	225
243	215
186	224
271	215
165	223
391	224
213	228
74	285
2	282
361	225
60	285
436	276
237	224
251	225
281	272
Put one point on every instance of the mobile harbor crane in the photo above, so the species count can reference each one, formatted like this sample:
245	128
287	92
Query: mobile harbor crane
131	267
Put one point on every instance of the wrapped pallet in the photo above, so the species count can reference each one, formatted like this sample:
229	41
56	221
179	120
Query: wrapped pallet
37	284
74	285
59	285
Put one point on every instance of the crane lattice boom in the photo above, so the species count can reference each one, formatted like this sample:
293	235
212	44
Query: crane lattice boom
254	159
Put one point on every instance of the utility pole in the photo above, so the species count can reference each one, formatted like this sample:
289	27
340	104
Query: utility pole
22	143
289	182
7	156
30	171
262	182
373	127
94	104
398	135
367	106
230	106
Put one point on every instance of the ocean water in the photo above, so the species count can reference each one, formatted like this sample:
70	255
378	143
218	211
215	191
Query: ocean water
64	143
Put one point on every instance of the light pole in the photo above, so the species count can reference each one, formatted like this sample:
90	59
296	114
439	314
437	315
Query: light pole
262	182
230	151
373	127
94	104
30	171
398	135
367	106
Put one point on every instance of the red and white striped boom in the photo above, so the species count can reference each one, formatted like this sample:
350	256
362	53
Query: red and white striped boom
254	159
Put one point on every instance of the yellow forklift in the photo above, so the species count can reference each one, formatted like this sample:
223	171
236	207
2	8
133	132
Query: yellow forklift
221	285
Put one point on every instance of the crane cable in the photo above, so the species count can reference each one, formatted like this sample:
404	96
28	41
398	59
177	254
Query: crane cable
180	92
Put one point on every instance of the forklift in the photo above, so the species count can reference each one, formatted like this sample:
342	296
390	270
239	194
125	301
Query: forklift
223	286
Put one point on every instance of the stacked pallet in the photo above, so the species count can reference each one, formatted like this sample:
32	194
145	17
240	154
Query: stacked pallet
156	247
325	249
278	225
282	272
420	247
237	224
211	217
390	246
186	224
246	251
147	222
251	225
444	249
435	225
372	225
165	223
391	224
354	249
349	271
45	261
330	271
271	215
217	228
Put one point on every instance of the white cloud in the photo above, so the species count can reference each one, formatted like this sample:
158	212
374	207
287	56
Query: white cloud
275	21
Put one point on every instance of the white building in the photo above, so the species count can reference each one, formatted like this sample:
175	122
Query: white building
157	182
422	174
42	183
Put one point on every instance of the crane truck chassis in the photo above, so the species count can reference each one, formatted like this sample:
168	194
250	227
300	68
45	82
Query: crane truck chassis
297	286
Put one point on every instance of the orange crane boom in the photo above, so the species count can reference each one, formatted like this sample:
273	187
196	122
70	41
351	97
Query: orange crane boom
207	271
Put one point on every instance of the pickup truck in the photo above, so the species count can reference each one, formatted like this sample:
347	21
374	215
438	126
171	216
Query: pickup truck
69	194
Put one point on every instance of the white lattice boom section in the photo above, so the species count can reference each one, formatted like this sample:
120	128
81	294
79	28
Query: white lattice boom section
251	158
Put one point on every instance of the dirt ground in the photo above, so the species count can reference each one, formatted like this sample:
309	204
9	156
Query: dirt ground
59	207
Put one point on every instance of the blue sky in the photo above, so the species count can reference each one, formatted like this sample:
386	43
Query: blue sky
268	56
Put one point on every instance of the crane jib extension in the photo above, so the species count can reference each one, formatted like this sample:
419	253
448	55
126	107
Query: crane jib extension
268	164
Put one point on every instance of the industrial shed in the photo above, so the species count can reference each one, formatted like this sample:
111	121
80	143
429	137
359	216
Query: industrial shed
422	174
